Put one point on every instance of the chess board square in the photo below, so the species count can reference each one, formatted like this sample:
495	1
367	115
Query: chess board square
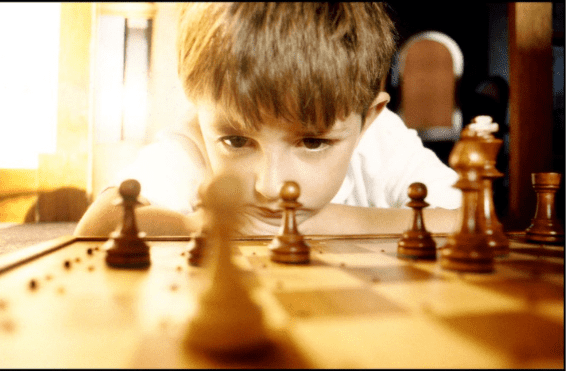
388	248
337	247
252	243
364	259
525	337
534	249
340	302
441	295
390	274
395	341
526	289
306	277
259	262
534	267
249	250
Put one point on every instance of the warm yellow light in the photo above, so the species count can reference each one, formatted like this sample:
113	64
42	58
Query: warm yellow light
29	46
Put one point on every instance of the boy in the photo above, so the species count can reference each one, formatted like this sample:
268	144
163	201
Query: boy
286	91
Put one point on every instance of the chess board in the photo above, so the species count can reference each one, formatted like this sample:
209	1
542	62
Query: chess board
356	305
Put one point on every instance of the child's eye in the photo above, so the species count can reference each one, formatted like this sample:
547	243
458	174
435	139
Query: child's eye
313	143
235	141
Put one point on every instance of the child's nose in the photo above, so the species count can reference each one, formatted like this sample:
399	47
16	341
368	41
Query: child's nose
270	174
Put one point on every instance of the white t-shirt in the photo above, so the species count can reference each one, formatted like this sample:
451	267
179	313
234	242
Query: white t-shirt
388	158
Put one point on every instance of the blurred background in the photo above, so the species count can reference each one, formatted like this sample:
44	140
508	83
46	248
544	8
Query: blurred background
83	86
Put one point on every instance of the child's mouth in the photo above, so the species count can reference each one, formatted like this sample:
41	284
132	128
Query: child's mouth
274	217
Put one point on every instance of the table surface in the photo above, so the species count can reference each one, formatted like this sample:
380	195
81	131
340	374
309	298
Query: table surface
17	236
355	306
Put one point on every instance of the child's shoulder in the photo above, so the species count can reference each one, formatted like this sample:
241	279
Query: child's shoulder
387	128
184	138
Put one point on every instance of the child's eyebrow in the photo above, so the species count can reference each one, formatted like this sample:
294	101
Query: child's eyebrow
228	127
335	130
313	133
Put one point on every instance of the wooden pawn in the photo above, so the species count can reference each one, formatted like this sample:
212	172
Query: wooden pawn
417	242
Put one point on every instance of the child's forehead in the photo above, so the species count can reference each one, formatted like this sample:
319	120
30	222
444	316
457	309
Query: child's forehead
236	121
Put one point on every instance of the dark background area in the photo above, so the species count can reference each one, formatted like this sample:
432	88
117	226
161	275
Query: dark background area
481	31
467	24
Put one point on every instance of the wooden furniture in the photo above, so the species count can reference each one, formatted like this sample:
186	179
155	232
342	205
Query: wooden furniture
530	105
356	305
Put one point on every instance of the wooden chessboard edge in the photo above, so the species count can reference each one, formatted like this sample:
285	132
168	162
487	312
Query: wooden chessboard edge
316	237
15	258
268	237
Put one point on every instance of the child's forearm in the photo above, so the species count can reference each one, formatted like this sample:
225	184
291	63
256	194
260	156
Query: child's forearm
103	217
341	219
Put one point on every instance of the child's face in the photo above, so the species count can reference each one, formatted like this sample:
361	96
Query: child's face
279	152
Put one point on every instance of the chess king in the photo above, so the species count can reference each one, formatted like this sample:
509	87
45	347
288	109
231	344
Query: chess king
480	236
286	92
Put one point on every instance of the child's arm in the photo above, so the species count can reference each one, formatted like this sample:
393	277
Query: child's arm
342	219
103	217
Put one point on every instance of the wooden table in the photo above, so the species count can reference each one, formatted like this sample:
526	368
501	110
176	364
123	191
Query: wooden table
356	306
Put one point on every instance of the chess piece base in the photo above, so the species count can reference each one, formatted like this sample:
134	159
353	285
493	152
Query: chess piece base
467	253
289	248
123	252
416	247
499	244
545	231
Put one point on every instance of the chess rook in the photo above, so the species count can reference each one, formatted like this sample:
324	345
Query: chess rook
289	245
467	250
417	242
125	248
545	226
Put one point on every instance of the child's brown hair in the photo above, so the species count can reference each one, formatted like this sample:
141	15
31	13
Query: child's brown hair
307	63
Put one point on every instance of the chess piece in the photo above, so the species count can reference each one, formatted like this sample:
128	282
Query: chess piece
197	243
545	226
125	248
195	249
417	242
484	128
227	320
467	249
289	245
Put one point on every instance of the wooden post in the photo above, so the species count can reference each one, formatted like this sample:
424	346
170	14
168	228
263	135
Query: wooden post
530	105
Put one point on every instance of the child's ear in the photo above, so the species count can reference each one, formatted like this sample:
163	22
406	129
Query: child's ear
375	109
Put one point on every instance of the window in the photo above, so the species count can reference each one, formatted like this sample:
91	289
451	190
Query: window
29	41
